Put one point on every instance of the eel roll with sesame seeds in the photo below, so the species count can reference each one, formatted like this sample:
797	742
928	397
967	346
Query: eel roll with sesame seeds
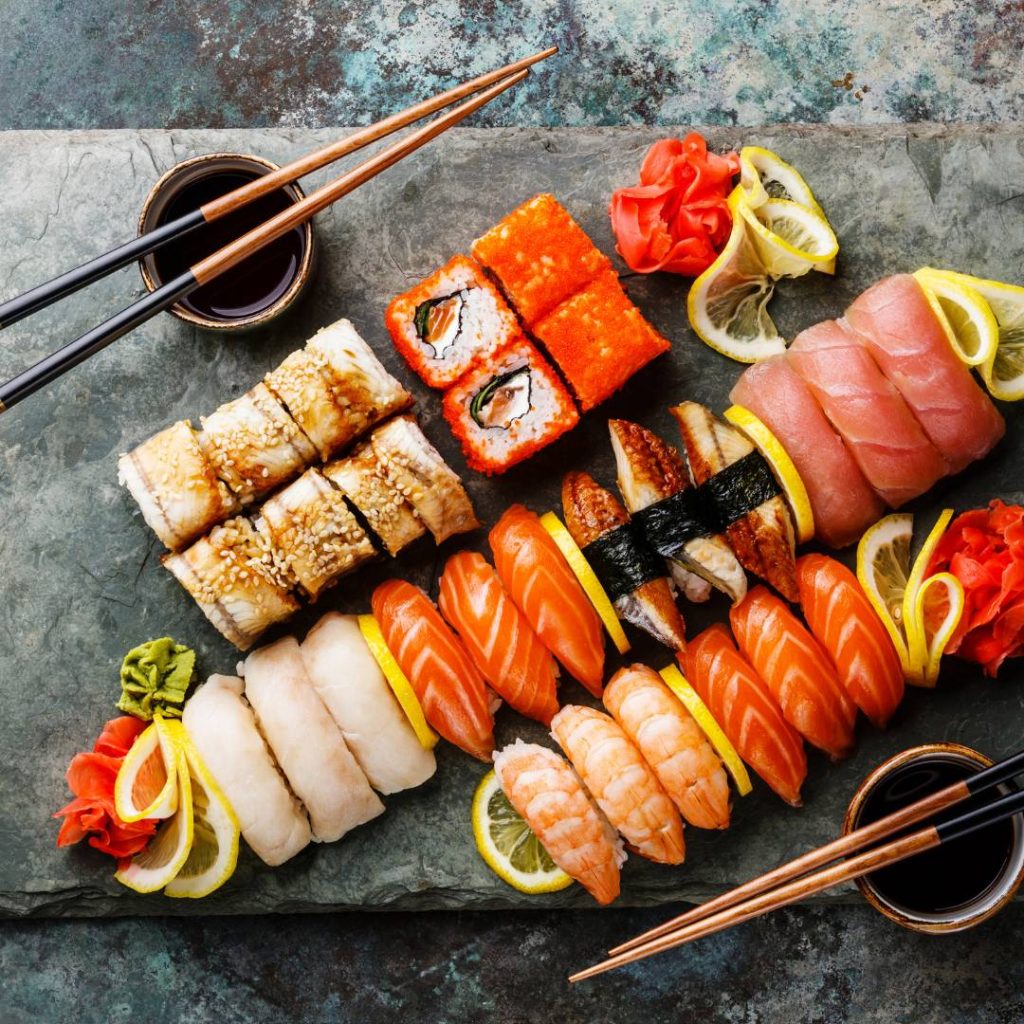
312	533
176	486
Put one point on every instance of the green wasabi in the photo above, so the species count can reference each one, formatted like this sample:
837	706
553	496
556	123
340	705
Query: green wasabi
155	677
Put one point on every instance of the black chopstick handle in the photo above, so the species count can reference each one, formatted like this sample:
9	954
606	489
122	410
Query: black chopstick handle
981	817
1001	771
75	352
50	291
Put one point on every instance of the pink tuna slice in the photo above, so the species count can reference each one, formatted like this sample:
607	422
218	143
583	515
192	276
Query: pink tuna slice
904	336
842	501
882	435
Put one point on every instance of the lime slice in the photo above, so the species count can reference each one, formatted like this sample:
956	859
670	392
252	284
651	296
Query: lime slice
588	579
782	466
765	175
146	784
680	686
964	314
789	238
508	846
883	568
400	686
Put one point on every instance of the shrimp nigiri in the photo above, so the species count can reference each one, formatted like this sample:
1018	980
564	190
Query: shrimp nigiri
621	782
841	617
449	686
539	580
496	633
672	743
798	672
746	711
550	798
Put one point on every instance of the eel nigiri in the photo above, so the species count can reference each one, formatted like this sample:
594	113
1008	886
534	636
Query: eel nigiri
740	486
745	709
628	569
656	489
540	582
841	617
498	636
797	671
449	686
621	782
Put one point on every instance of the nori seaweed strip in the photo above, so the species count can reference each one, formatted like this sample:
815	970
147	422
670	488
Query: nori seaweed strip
622	561
739	489
668	524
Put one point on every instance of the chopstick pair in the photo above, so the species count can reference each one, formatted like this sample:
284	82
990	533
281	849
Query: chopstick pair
487	87
798	878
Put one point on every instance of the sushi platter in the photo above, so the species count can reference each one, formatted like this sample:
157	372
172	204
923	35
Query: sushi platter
81	579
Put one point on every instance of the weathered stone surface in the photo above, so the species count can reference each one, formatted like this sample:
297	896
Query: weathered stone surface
80	580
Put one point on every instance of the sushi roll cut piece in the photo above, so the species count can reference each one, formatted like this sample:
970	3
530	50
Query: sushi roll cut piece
221	724
739	489
599	339
254	445
385	508
655	486
355	692
540	256
232	575
508	407
630	572
176	486
306	741
448	321
313	534
414	466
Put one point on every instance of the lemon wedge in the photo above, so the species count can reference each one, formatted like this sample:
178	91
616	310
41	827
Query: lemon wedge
913	618
782	466
765	175
789	238
680	686
588	579
507	844
883	569
400	686
213	856
938	606
146	785
964	314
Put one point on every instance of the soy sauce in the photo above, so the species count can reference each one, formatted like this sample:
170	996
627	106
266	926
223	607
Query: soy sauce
260	279
953	875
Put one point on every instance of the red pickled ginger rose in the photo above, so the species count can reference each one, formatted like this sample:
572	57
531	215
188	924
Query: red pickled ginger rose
677	219
984	550
91	778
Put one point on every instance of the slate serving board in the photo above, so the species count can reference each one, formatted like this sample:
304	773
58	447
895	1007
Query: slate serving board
80	579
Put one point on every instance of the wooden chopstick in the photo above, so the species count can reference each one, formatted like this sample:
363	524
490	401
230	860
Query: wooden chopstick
51	291
862	864
857	840
73	353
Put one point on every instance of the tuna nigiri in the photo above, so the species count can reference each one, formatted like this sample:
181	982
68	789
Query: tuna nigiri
841	617
497	635
440	670
746	711
540	582
797	671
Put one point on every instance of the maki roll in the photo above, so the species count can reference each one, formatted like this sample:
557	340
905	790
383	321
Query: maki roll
176	486
507	407
449	320
313	534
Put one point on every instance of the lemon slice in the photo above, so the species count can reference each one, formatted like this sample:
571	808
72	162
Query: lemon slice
938	606
964	314
680	686
400	686
782	466
765	175
789	238
508	846
146	784
155	866
883	568
588	579
913	620
214	854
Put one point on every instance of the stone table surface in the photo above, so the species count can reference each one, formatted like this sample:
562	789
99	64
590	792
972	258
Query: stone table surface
106	63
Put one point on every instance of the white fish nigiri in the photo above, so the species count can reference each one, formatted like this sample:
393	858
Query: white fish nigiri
355	692
221	725
306	742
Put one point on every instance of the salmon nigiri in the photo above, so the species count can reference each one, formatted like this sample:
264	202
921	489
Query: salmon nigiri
497	635
746	711
797	671
841	617
540	582
440	670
